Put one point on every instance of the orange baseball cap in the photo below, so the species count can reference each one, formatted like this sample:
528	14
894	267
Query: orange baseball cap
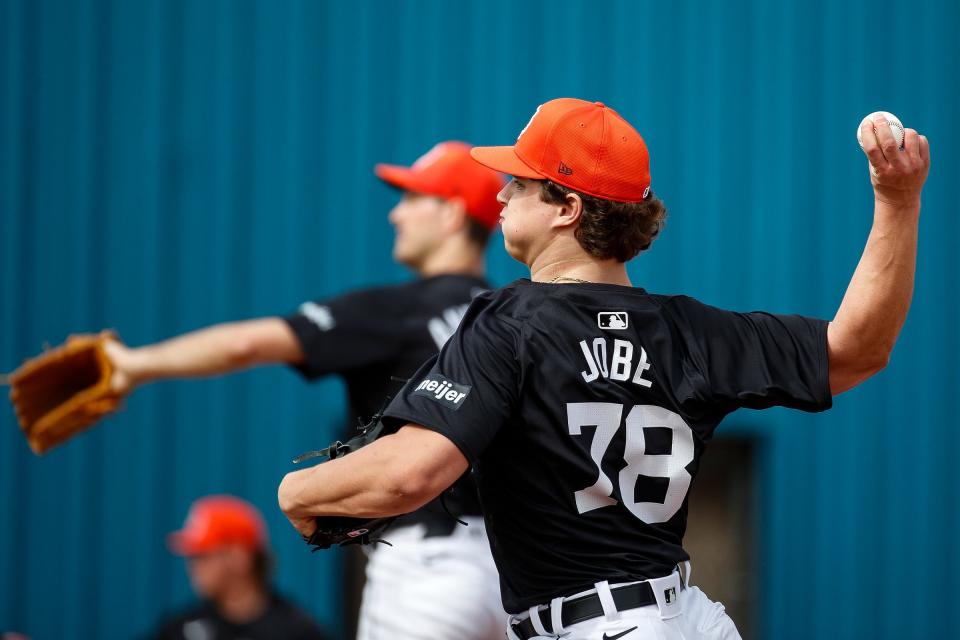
586	146
447	171
218	521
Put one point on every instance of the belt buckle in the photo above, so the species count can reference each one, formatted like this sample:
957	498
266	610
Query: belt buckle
666	590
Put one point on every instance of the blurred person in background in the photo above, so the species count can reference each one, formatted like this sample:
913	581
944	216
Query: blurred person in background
225	544
375	338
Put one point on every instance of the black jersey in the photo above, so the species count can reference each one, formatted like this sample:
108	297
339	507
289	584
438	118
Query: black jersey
584	410
376	338
281	619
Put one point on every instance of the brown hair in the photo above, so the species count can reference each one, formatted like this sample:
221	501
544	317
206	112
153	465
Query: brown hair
478	233
609	229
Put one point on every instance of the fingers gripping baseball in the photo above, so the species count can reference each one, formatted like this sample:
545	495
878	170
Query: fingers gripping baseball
899	162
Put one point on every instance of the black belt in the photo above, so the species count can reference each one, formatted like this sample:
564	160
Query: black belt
586	607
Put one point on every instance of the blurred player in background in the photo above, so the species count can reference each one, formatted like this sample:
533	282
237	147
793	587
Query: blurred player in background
226	547
584	404
375	338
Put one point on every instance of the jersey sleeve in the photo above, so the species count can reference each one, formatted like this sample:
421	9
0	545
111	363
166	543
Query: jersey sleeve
350	331
469	390
755	360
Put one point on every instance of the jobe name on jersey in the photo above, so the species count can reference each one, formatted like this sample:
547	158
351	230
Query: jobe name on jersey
614	362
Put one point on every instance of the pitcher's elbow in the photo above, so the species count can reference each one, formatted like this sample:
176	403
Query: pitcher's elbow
285	496
242	352
880	358
872	365
412	489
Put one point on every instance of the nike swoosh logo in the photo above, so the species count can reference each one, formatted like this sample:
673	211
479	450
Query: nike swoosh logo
619	635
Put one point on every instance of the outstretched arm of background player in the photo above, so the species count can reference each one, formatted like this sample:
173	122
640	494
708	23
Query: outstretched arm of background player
862	334
396	474
215	350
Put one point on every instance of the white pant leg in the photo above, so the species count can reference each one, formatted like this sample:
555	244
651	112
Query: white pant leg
438	588
701	619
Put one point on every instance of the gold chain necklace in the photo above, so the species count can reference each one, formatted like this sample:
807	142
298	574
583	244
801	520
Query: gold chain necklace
571	279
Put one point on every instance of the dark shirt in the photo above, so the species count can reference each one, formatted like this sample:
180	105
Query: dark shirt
584	410
280	620
375	339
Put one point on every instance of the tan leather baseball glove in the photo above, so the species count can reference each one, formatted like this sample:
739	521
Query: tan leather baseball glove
63	391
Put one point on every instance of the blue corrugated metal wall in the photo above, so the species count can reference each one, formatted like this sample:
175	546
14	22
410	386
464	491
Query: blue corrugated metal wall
170	164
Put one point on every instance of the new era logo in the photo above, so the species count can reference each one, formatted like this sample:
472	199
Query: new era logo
565	170
612	320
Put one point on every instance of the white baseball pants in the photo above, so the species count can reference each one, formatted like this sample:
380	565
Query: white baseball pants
432	588
691	616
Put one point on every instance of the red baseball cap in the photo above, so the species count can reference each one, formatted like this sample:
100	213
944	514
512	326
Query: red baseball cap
447	171
586	146
215	522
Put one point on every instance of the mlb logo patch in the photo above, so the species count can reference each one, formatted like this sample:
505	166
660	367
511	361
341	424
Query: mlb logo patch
613	320
669	595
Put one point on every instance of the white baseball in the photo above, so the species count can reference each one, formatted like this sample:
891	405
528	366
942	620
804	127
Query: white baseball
896	127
